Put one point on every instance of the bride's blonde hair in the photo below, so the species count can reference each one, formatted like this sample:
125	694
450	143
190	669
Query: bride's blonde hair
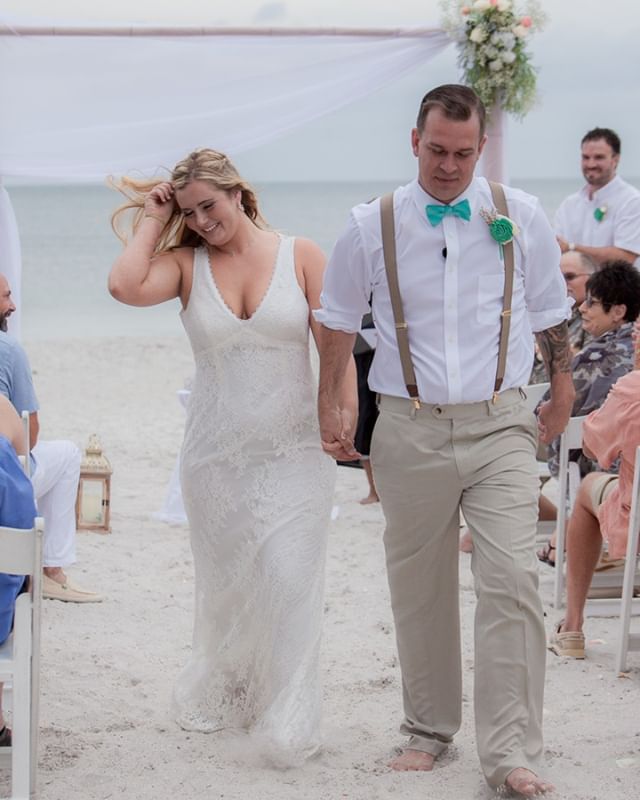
201	165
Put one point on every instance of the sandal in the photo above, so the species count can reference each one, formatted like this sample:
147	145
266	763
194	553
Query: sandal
544	555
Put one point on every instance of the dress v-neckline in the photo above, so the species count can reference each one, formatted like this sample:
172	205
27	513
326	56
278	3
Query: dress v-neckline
220	296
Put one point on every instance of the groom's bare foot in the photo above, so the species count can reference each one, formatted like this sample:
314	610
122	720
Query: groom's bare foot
527	783
413	760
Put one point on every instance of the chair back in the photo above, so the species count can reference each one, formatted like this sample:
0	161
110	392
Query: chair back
19	550
21	554
630	641
26	463
568	483
534	393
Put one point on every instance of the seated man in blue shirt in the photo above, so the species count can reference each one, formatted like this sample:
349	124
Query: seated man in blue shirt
17	510
56	469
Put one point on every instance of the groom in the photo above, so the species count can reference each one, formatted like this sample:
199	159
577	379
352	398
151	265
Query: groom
465	442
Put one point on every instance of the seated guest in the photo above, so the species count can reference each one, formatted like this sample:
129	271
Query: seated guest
610	307
602	506
17	510
56	469
609	310
576	268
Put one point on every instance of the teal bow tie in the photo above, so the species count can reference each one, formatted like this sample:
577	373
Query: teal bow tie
435	214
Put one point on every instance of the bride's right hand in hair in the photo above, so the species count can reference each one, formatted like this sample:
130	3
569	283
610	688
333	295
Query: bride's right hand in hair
160	201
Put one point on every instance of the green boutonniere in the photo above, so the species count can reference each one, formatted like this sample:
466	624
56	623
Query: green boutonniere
501	228
600	213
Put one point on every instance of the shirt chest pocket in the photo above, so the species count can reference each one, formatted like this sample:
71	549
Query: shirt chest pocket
490	298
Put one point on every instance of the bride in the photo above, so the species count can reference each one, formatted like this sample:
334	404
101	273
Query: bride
257	487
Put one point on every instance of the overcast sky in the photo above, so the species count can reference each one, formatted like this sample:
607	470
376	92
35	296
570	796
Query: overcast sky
588	57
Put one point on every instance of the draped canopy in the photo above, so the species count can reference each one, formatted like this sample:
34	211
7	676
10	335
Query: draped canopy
81	104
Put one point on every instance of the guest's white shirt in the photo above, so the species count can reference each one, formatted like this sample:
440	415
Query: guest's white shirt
452	304
620	227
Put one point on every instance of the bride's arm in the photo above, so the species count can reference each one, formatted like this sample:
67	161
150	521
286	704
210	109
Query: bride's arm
139	278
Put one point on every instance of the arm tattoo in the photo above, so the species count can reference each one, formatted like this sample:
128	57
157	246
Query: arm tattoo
553	344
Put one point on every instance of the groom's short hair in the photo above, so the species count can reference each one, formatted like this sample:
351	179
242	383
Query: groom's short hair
456	102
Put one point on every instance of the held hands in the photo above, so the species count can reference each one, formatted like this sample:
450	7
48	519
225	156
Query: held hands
337	428
160	203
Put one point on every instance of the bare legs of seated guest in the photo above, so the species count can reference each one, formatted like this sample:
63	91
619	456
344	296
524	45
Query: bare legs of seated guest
584	546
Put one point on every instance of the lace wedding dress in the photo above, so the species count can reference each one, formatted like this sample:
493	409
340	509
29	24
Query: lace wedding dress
257	490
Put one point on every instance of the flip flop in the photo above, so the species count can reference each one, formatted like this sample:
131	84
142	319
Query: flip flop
544	555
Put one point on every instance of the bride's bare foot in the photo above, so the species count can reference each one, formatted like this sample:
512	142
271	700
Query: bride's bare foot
527	783
370	498
413	760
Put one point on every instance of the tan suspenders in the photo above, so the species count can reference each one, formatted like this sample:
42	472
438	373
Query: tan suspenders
402	331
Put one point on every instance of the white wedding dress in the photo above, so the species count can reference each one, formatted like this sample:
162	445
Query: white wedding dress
257	490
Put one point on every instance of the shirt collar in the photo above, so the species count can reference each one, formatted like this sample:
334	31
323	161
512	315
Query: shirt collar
422	198
604	192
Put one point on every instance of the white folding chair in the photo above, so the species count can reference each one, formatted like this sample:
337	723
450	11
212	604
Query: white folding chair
630	641
609	582
21	554
534	393
27	444
568	483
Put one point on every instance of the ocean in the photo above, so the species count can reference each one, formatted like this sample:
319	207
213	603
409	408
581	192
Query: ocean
68	247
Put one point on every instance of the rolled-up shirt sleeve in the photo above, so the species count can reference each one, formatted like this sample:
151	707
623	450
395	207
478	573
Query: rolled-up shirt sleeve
347	283
545	288
627	228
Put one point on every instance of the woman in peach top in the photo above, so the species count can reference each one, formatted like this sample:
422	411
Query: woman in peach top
602	506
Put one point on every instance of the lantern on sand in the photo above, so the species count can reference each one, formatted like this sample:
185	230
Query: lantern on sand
94	489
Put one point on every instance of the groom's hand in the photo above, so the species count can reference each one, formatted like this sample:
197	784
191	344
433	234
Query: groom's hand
336	434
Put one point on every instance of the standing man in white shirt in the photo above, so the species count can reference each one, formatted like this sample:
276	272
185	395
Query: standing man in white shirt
602	220
457	446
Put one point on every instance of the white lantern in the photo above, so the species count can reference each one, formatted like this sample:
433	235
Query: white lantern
94	489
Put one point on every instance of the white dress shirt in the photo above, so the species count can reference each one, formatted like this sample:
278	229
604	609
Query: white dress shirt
620	227
453	301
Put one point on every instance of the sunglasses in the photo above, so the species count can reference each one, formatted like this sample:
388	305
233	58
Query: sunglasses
571	276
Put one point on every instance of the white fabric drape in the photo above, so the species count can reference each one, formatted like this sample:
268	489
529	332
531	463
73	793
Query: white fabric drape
83	107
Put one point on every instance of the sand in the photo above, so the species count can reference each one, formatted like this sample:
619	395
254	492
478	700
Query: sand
108	669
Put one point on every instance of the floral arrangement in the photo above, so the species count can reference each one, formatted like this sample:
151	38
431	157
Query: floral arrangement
492	44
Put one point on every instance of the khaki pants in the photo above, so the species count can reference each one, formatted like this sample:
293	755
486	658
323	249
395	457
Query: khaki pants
481	458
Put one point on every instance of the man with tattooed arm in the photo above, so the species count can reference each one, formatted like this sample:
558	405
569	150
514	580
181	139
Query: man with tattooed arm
454	432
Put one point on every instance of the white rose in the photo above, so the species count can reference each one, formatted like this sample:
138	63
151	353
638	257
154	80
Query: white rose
496	38
504	5
496	65
509	57
478	34
520	31
508	40
482	5
491	52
